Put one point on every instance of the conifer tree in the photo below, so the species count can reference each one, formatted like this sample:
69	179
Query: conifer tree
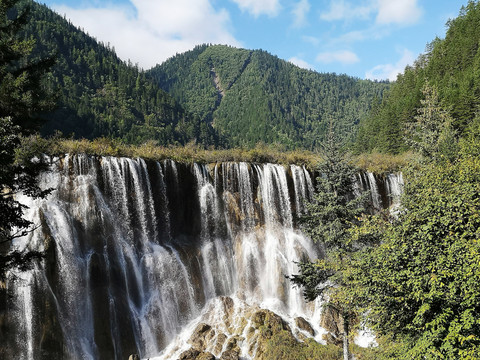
431	133
330	216
22	99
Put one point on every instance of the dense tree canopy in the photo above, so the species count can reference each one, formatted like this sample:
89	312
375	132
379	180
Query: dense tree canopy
422	284
451	65
252	96
101	95
330	216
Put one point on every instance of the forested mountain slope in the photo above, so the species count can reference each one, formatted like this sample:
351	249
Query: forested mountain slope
213	95
452	67
101	95
252	96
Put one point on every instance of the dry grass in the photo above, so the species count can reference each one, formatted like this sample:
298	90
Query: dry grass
375	162
383	163
184	154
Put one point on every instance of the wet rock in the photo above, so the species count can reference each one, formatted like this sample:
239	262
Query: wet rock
332	321
221	338
232	344
134	357
205	356
201	336
270	321
230	355
233	210
228	304
190	354
228	309
304	325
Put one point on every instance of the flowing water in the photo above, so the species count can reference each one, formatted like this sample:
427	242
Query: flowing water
137	251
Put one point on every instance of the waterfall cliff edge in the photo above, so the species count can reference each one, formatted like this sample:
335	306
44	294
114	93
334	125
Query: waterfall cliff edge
157	258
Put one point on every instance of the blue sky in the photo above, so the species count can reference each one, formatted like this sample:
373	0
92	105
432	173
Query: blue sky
372	39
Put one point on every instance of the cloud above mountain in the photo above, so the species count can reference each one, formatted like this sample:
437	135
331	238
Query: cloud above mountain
344	36
391	71
155	30
342	56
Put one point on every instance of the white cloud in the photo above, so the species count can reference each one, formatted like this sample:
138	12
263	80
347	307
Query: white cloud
390	71
344	10
259	7
311	40
301	63
398	11
158	30
342	56
371	33
300	12
402	12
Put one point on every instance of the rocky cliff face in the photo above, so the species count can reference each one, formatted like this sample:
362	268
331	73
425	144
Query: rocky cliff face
161	259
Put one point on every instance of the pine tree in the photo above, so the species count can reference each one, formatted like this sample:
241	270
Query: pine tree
432	134
330	216
22	98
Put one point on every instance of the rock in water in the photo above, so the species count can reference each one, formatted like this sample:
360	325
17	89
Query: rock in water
304	325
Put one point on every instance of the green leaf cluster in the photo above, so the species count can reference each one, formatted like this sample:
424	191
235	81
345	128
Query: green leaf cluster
422	283
283	346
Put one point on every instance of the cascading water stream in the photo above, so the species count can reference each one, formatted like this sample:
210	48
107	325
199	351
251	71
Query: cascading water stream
136	251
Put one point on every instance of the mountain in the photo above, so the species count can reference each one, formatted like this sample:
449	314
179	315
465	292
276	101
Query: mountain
250	96
212	95
452	67
101	95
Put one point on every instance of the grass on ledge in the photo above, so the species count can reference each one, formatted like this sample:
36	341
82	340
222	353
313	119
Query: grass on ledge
377	163
383	163
183	154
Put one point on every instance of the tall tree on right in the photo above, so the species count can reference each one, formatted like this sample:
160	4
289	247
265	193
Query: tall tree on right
421	284
431	133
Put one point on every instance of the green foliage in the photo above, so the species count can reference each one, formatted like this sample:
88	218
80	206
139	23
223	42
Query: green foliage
451	66
330	217
431	134
251	96
22	97
102	96
283	346
334	209
422	283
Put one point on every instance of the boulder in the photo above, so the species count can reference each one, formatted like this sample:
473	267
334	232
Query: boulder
221	338
332	321
200	337
304	325
230	355
190	354
269	320
205	356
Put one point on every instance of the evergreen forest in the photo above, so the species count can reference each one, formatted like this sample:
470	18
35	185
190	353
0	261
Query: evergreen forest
216	96
251	96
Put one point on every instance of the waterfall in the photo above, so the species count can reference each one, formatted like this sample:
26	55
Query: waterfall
385	191
136	251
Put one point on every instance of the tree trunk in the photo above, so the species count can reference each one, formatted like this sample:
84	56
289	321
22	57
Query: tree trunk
346	354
